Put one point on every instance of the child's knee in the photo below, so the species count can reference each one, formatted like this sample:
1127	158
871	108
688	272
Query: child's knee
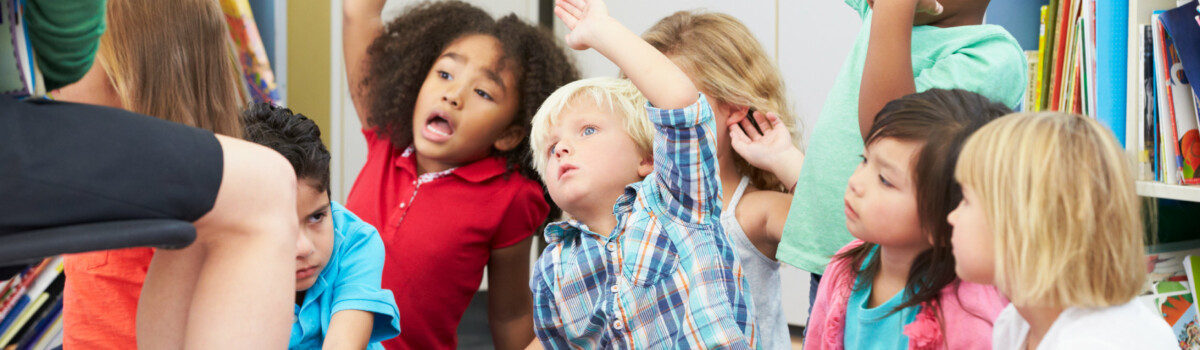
257	194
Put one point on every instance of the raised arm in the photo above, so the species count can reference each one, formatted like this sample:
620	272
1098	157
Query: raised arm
361	24
887	73
663	83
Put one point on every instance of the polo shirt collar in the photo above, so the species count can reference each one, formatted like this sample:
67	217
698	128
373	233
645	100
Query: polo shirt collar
478	171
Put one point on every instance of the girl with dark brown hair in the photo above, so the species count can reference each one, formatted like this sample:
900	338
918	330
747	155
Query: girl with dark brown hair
896	281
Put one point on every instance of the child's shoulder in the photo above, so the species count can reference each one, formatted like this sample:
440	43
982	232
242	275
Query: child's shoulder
987	36
349	231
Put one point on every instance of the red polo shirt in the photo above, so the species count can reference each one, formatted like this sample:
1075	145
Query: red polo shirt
439	230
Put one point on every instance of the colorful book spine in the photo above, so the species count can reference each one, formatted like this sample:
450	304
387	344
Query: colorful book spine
1047	59
1112	31
1040	72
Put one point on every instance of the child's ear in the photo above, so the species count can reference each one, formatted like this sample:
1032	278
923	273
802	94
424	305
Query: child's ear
736	114
510	138
646	166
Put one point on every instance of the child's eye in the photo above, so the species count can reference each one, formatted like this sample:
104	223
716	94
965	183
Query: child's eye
551	150
443	75
884	181
589	130
316	217
483	94
864	158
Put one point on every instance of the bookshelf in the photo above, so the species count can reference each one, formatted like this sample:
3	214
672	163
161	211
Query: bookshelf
1164	191
1139	15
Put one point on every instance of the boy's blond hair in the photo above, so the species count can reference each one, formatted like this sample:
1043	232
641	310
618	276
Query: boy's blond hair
728	64
618	96
1059	197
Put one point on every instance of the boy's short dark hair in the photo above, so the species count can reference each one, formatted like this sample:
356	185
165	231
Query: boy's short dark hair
294	136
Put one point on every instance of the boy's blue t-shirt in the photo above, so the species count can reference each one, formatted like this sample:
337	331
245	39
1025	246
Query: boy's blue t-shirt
350	281
877	327
984	59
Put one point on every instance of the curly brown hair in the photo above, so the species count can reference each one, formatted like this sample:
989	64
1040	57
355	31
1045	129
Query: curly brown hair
400	59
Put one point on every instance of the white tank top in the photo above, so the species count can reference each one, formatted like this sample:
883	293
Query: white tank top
762	273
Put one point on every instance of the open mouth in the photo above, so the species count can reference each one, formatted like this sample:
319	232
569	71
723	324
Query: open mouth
438	128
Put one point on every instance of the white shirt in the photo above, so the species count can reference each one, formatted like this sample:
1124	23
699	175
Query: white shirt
1128	326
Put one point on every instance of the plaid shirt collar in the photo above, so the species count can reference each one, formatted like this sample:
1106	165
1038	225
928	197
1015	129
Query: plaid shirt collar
566	229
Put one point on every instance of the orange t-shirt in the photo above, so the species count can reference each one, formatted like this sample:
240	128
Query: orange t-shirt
100	298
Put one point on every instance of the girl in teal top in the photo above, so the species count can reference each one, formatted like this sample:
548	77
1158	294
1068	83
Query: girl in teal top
899	39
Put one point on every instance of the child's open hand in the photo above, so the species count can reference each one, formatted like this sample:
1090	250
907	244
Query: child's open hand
583	18
770	150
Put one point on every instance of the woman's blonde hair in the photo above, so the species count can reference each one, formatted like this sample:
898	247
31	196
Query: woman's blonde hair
728	64
618	96
1059	197
171	60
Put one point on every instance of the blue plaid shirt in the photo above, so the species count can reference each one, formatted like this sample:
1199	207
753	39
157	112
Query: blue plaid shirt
667	276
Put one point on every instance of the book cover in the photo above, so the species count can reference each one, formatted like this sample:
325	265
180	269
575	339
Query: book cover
1185	32
1181	109
251	54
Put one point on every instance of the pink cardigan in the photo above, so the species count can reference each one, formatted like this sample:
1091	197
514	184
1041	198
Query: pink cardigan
968	329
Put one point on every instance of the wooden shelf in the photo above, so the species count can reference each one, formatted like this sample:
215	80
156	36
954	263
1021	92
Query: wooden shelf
1161	190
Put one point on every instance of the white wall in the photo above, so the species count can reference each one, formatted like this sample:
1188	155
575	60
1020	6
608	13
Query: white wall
809	39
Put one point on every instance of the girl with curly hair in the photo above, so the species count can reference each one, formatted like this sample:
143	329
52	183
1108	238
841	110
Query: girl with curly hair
445	94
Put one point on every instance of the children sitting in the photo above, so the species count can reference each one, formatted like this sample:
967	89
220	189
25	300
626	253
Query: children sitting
644	263
339	258
1064	245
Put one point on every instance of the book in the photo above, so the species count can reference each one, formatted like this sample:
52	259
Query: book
1031	58
1166	113
1148	106
1185	67
1039	69
1089	60
37	326
251	54
1064	33
1047	59
1112	28
24	317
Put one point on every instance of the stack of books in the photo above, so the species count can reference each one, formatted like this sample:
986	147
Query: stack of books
31	307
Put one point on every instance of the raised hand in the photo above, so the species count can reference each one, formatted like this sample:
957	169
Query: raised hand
771	150
583	18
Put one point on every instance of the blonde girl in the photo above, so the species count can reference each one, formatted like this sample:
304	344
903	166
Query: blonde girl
728	64
1050	216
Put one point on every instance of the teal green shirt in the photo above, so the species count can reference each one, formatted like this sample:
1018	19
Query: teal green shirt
876	327
981	58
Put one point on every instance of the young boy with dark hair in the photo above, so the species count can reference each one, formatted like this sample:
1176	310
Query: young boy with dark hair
339	258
